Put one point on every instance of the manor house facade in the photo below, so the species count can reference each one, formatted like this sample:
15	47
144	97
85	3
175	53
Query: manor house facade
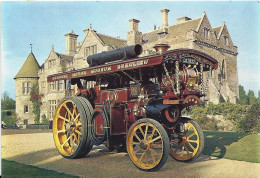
187	33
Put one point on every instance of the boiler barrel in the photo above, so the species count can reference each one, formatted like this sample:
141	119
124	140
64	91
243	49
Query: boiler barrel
117	54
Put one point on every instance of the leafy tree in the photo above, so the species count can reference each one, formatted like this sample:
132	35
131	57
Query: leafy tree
35	98
250	121
258	98
7	103
243	98
251	97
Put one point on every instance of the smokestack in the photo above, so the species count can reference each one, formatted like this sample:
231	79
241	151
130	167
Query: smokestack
165	17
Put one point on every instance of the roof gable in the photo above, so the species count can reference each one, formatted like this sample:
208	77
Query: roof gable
224	33
204	22
217	31
174	30
111	41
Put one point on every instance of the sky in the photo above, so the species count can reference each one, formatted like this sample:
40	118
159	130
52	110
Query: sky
44	24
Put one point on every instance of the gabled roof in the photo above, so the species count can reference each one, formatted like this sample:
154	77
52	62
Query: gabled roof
217	30
29	69
64	56
111	41
174	30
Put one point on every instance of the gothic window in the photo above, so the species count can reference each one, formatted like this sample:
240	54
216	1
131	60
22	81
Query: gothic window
91	50
87	51
206	33
26	109
26	88
226	41
52	86
60	85
52	107
52	63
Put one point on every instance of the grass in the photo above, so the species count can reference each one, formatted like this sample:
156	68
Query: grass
233	145
14	169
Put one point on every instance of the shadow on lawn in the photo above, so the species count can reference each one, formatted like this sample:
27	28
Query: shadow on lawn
216	142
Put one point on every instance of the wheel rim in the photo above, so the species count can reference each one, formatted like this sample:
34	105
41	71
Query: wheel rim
67	128
145	145
185	144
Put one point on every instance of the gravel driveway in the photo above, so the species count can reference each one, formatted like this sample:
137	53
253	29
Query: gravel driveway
38	149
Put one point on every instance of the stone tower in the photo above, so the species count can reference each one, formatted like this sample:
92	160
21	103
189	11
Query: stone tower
24	79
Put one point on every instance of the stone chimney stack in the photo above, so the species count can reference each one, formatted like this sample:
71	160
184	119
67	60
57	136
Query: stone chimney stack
134	36
165	17
71	43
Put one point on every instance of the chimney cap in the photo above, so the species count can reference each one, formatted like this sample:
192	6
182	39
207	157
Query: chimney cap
183	19
165	10
134	20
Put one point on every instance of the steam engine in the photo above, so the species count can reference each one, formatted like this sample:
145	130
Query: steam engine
119	91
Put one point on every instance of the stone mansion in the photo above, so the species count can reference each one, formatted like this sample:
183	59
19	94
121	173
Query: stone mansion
189	33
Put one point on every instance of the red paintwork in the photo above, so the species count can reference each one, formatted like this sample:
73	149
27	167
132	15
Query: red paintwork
118	104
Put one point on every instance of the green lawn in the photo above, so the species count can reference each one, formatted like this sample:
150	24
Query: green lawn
14	169
233	145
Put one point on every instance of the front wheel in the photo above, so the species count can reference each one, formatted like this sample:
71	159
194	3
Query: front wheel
148	144
70	127
187	141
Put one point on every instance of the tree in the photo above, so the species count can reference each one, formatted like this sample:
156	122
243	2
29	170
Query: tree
251	97
7	103
258	98
243	98
35	98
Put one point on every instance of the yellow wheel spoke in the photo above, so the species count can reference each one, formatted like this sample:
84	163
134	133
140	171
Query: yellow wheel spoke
137	137
141	131
71	142
146	158
136	143
153	157
138	149
151	136
191	146
193	141
68	110
63	118
61	131
153	140
154	145
76	117
78	132
142	156
154	152
146	130
191	135
66	141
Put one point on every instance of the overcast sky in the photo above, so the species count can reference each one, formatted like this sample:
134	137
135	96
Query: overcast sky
44	24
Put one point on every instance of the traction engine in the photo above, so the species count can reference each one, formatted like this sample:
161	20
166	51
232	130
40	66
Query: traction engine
134	104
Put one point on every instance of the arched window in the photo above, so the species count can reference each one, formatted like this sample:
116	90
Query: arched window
223	69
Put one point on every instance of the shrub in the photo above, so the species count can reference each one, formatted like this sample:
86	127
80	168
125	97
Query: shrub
45	120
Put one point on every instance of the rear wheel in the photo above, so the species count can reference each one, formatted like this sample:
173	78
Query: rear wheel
187	141
148	144
70	128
